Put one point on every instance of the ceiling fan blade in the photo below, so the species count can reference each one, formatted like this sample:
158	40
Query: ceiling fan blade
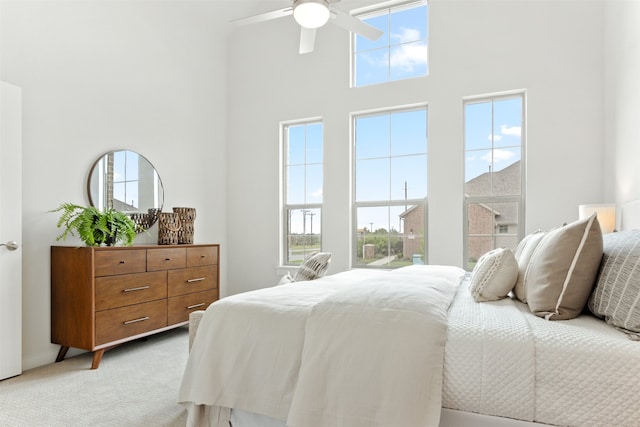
274	14
355	25
307	39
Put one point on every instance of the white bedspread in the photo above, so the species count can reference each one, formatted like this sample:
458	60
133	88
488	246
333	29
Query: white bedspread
502	360
360	348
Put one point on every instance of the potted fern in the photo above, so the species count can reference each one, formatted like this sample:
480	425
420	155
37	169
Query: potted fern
95	227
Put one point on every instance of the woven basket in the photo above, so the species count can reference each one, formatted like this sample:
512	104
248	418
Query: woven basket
168	228
187	217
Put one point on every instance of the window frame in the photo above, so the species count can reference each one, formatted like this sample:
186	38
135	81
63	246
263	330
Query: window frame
286	207
379	10
383	203
519	199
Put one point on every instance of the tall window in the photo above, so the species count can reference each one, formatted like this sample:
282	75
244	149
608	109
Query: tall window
400	53
390	188
494	141
302	175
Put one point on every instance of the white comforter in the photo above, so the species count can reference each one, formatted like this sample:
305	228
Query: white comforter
360	348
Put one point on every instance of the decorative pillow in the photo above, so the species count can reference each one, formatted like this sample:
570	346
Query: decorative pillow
563	269
314	267
524	251
494	275
285	279
615	297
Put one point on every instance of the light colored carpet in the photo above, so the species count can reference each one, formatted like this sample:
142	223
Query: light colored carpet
136	385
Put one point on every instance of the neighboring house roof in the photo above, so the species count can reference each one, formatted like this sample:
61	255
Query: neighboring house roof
505	181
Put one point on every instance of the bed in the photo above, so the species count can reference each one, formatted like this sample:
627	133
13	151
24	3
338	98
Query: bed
414	347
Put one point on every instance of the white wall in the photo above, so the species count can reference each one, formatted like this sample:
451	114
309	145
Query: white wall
97	76
622	101
553	49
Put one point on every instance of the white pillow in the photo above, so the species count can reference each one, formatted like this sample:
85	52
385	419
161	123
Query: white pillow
285	279
494	276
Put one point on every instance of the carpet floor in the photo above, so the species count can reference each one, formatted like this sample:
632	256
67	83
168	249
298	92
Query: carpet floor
136	385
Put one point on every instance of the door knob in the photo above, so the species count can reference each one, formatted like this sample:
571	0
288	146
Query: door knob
12	246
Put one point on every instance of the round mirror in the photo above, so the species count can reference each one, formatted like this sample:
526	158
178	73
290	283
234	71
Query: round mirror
126	181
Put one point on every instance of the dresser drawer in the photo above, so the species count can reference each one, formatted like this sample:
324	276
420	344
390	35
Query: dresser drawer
112	262
189	280
166	258
202	256
180	306
128	289
124	322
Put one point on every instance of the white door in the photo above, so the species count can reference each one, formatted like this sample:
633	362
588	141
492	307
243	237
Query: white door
10	230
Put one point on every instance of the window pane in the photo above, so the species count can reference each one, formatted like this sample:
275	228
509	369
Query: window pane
478	131
314	143
492	225
303	234
409	133
372	180
314	184
408	177
296	145
408	25
507	122
372	134
295	184
381	22
401	52
478	245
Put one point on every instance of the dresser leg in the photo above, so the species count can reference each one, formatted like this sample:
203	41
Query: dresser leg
97	358
62	353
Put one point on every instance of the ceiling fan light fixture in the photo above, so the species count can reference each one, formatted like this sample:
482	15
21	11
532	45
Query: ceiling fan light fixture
311	13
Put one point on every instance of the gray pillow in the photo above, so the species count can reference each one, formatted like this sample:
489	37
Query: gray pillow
563	270
617	292
314	267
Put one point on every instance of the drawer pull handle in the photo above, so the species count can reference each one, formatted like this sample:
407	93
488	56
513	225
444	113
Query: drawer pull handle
195	306
141	288
199	279
142	319
121	261
167	259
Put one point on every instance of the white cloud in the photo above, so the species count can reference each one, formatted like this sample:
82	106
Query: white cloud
409	56
498	156
510	130
493	137
317	193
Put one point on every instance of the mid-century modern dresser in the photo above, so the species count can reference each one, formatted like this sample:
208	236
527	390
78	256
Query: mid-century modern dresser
104	296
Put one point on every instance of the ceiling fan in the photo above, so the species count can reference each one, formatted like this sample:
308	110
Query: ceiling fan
311	15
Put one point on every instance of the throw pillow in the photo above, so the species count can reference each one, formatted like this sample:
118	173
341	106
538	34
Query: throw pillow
314	267
523	254
563	268
615	297
285	279
494	275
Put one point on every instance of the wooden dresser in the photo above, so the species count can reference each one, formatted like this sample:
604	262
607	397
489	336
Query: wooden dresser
105	296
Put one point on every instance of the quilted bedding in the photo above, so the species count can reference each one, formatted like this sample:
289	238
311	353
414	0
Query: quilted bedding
502	360
356	349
